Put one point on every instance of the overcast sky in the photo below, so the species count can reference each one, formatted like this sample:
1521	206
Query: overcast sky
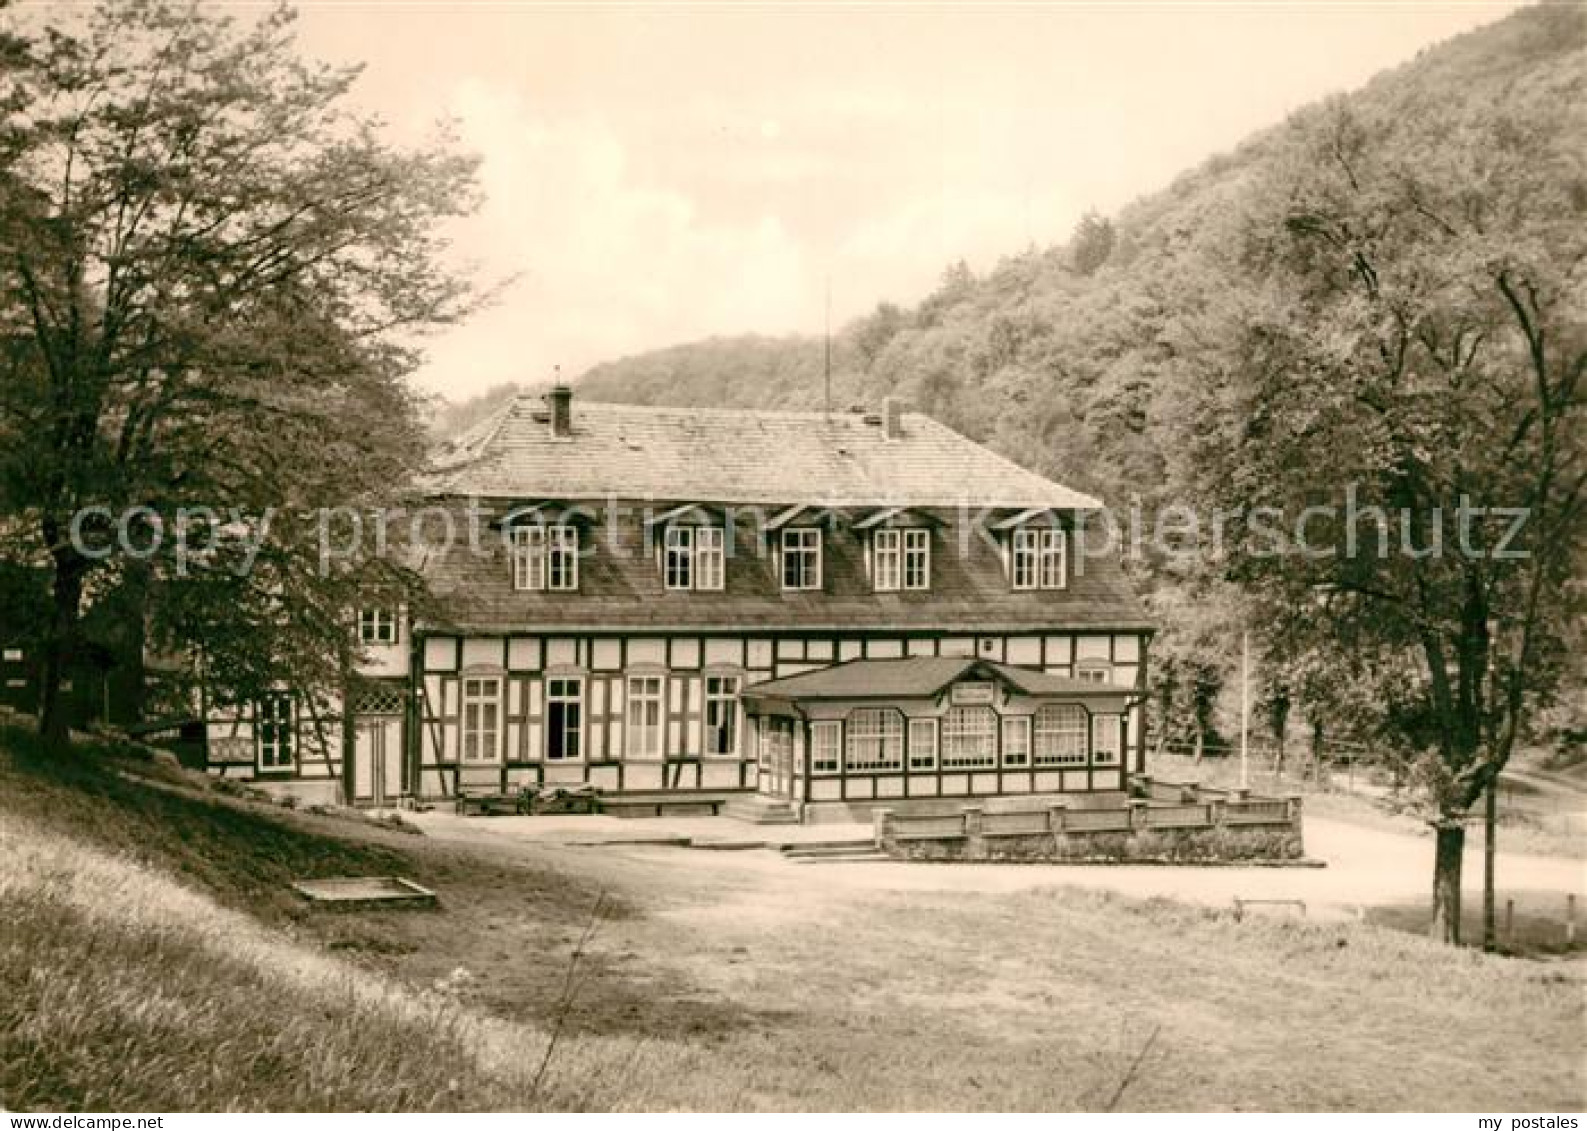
662	174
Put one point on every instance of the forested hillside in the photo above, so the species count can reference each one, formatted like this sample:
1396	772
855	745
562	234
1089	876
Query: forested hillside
1092	362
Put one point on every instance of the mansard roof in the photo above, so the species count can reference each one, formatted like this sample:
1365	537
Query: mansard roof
735	456
621	587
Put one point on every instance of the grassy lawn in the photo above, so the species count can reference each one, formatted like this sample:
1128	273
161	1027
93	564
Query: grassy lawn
153	959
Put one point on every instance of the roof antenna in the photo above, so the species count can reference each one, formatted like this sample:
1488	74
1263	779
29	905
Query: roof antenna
826	364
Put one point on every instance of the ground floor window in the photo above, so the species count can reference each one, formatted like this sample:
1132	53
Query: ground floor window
969	738
481	718
273	726
1106	739
825	747
876	739
644	716
721	714
1061	735
1016	742
564	719
922	744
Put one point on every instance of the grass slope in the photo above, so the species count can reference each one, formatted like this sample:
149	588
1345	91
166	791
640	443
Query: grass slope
151	961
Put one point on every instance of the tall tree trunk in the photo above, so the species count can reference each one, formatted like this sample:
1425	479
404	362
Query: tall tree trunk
1490	821
348	786
1449	850
59	650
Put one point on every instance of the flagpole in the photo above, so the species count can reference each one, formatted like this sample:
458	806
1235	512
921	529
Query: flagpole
1245	704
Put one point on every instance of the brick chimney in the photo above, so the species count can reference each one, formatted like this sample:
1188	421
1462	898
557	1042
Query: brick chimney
560	398
892	419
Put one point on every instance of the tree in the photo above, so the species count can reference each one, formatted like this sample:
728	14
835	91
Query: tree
1408	355
212	272
1092	243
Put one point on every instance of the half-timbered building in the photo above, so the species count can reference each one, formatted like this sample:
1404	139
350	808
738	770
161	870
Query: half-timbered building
705	604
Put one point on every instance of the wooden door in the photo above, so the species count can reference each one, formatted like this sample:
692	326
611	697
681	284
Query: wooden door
776	762
377	760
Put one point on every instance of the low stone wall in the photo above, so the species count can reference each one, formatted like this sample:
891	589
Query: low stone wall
1181	828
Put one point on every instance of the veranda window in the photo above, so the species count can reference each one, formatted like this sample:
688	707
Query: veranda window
969	738
922	744
876	739
1016	742
1061	735
1106	739
825	748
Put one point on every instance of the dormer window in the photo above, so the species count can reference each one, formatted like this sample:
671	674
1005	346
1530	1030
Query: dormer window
1036	557
901	559
801	558
545	557
693	557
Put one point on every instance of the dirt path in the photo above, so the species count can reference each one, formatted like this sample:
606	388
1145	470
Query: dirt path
1365	867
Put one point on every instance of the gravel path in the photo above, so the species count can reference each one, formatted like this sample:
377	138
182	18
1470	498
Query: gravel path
1364	866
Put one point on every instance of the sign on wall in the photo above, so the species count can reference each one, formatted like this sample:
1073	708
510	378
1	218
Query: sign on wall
979	694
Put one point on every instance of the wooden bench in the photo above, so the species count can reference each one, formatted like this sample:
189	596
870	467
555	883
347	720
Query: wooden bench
481	792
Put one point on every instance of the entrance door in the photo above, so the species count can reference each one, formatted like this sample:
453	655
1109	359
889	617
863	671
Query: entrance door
377	760
777	757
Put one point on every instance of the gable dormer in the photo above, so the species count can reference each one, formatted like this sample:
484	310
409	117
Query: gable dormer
1035	546
898	543
544	543
690	543
797	540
